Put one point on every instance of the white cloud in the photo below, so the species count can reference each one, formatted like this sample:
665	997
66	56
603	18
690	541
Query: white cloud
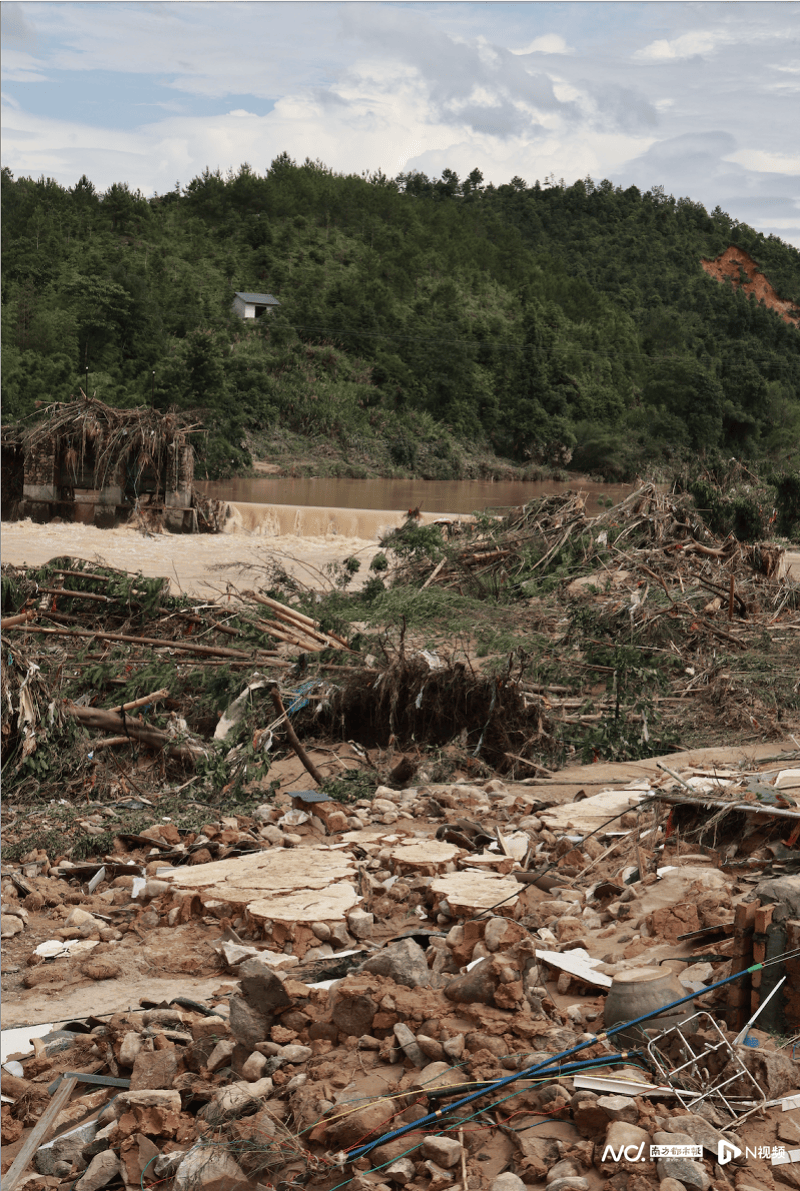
685	46
20	67
548	43
774	163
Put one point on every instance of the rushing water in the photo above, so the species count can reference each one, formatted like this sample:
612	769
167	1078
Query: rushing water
430	496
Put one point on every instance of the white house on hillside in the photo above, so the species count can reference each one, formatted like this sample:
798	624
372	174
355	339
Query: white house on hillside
253	305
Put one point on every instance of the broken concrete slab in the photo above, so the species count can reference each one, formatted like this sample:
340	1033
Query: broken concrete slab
281	891
468	892
592	813
426	858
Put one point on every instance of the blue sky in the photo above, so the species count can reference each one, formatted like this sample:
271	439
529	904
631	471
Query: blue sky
702	98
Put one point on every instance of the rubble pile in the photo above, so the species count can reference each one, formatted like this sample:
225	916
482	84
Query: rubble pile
425	989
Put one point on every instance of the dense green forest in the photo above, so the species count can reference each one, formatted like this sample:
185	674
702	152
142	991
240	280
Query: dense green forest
419	318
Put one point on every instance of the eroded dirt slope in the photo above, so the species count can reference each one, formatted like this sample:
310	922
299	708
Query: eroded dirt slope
729	264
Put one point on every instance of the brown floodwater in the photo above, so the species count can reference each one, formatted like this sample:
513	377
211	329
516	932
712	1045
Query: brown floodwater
430	496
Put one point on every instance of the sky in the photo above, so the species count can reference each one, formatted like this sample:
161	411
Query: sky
700	98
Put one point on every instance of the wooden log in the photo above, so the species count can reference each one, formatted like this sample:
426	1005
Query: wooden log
11	622
39	1135
96	717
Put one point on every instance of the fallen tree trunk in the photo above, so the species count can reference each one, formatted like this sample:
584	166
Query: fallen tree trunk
110	721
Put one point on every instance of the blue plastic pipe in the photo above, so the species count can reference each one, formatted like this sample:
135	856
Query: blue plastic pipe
539	1068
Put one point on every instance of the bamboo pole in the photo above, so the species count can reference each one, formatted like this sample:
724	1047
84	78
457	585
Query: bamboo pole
216	651
77	595
292	613
292	736
156	697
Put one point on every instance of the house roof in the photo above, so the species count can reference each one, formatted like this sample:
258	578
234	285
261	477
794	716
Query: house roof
259	299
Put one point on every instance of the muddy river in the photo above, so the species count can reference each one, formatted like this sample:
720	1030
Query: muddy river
430	496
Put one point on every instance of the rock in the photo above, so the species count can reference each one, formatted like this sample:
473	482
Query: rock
356	1125
101	968
571	1182
294	1052
507	1182
208	1168
588	1118
360	922
479	984
400	1172
670	921
566	1168
670	1184
688	1171
231	1101
569	929
254	1067
619	1108
622	1136
137	1154
100	1171
432	1049
436	1075
438	1176
247	1025
454	1047
206	1026
154	1069
263	990
164	1098
773	1070
403	962
699	1131
785	890
444	1151
67	1148
410	1046
351	1011
10	925
129	1048
221	1054
79	917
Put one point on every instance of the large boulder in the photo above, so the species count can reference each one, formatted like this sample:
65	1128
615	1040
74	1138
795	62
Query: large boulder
403	962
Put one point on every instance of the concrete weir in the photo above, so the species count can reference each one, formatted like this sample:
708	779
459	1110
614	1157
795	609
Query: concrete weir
316	521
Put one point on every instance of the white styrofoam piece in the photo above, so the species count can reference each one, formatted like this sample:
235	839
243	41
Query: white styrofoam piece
790	1102
577	962
18	1040
785	1158
52	948
787	777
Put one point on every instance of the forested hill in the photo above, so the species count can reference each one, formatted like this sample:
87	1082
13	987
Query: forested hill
418	318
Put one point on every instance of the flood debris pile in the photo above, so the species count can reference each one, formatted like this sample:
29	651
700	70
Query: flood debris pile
445	985
642	599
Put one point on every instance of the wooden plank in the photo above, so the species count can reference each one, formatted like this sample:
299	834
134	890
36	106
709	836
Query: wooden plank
39	1134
